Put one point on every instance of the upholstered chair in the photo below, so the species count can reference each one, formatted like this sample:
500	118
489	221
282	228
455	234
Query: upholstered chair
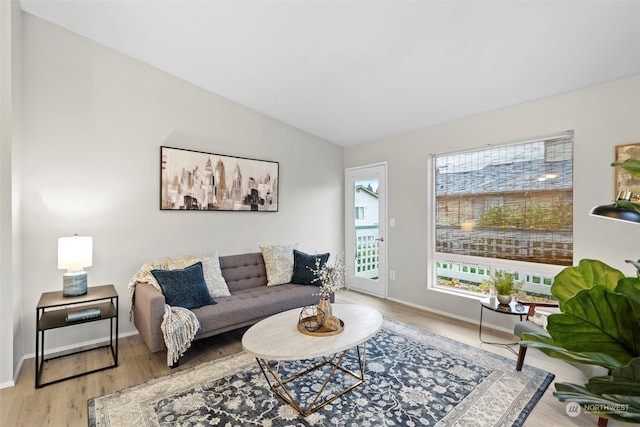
527	326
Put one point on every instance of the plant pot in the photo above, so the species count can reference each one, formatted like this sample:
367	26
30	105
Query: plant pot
504	299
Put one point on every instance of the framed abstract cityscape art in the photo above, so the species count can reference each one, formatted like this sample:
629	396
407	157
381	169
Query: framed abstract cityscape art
195	180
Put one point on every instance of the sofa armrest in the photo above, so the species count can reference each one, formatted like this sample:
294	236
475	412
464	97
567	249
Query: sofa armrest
148	311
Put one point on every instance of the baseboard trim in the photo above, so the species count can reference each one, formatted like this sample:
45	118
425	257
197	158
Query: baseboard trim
7	384
79	345
58	350
15	376
452	316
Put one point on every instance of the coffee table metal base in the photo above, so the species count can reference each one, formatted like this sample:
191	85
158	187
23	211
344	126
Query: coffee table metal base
278	385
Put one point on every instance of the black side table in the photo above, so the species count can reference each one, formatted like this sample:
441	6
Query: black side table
52	311
514	308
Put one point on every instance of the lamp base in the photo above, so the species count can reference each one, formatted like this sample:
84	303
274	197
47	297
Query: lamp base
74	283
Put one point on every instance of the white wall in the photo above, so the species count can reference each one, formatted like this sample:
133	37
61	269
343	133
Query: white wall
6	282
10	113
94	121
602	116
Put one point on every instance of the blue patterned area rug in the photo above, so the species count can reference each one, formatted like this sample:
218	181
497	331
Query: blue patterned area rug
414	378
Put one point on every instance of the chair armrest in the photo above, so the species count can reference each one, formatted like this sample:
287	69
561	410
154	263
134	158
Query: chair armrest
148	311
534	305
529	327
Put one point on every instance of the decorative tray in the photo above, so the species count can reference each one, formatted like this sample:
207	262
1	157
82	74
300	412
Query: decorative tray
320	332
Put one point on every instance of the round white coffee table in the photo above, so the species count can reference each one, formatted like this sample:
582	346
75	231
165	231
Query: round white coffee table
277	338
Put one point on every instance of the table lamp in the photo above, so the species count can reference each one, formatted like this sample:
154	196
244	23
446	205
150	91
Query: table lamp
74	253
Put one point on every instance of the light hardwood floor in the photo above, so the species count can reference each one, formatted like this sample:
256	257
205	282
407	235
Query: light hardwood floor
65	403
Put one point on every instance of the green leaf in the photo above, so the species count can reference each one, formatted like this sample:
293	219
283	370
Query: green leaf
630	286
585	275
630	165
597	320
615	407
622	381
628	205
545	344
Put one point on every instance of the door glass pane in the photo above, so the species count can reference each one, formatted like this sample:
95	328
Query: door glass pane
366	228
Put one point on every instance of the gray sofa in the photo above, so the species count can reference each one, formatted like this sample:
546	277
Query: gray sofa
251	300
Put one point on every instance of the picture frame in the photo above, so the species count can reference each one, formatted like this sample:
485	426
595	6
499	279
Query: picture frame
624	180
196	180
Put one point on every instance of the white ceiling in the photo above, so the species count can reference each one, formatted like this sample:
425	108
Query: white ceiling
356	71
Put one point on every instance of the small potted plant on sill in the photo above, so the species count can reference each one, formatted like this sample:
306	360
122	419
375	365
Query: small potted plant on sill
505	285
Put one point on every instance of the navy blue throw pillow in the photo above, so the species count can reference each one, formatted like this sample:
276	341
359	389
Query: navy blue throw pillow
302	265
184	287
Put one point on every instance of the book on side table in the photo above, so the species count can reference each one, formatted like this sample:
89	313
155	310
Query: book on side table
83	314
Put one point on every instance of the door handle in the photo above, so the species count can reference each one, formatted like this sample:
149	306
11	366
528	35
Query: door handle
380	239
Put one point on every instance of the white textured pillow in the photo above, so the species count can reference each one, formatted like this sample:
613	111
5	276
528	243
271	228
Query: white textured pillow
278	260
211	269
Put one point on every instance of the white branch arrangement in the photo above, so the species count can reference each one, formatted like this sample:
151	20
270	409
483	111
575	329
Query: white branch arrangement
332	278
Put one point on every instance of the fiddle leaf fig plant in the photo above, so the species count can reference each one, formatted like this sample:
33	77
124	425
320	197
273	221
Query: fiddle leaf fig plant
599	324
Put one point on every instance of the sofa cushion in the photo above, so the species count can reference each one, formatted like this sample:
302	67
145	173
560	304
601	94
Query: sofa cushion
184	287
243	271
304	265
210	268
251	305
278	259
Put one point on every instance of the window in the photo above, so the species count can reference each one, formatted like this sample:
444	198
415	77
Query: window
359	212
503	208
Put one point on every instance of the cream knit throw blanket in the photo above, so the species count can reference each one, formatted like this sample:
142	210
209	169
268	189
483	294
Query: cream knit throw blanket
179	325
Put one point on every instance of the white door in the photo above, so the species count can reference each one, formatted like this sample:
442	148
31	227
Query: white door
366	217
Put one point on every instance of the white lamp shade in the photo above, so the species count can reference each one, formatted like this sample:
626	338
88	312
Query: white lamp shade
75	253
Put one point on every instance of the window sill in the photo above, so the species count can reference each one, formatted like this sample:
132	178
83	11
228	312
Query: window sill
478	297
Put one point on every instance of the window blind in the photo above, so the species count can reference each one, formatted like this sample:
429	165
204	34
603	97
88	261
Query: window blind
512	202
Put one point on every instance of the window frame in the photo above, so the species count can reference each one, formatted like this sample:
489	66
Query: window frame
540	270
